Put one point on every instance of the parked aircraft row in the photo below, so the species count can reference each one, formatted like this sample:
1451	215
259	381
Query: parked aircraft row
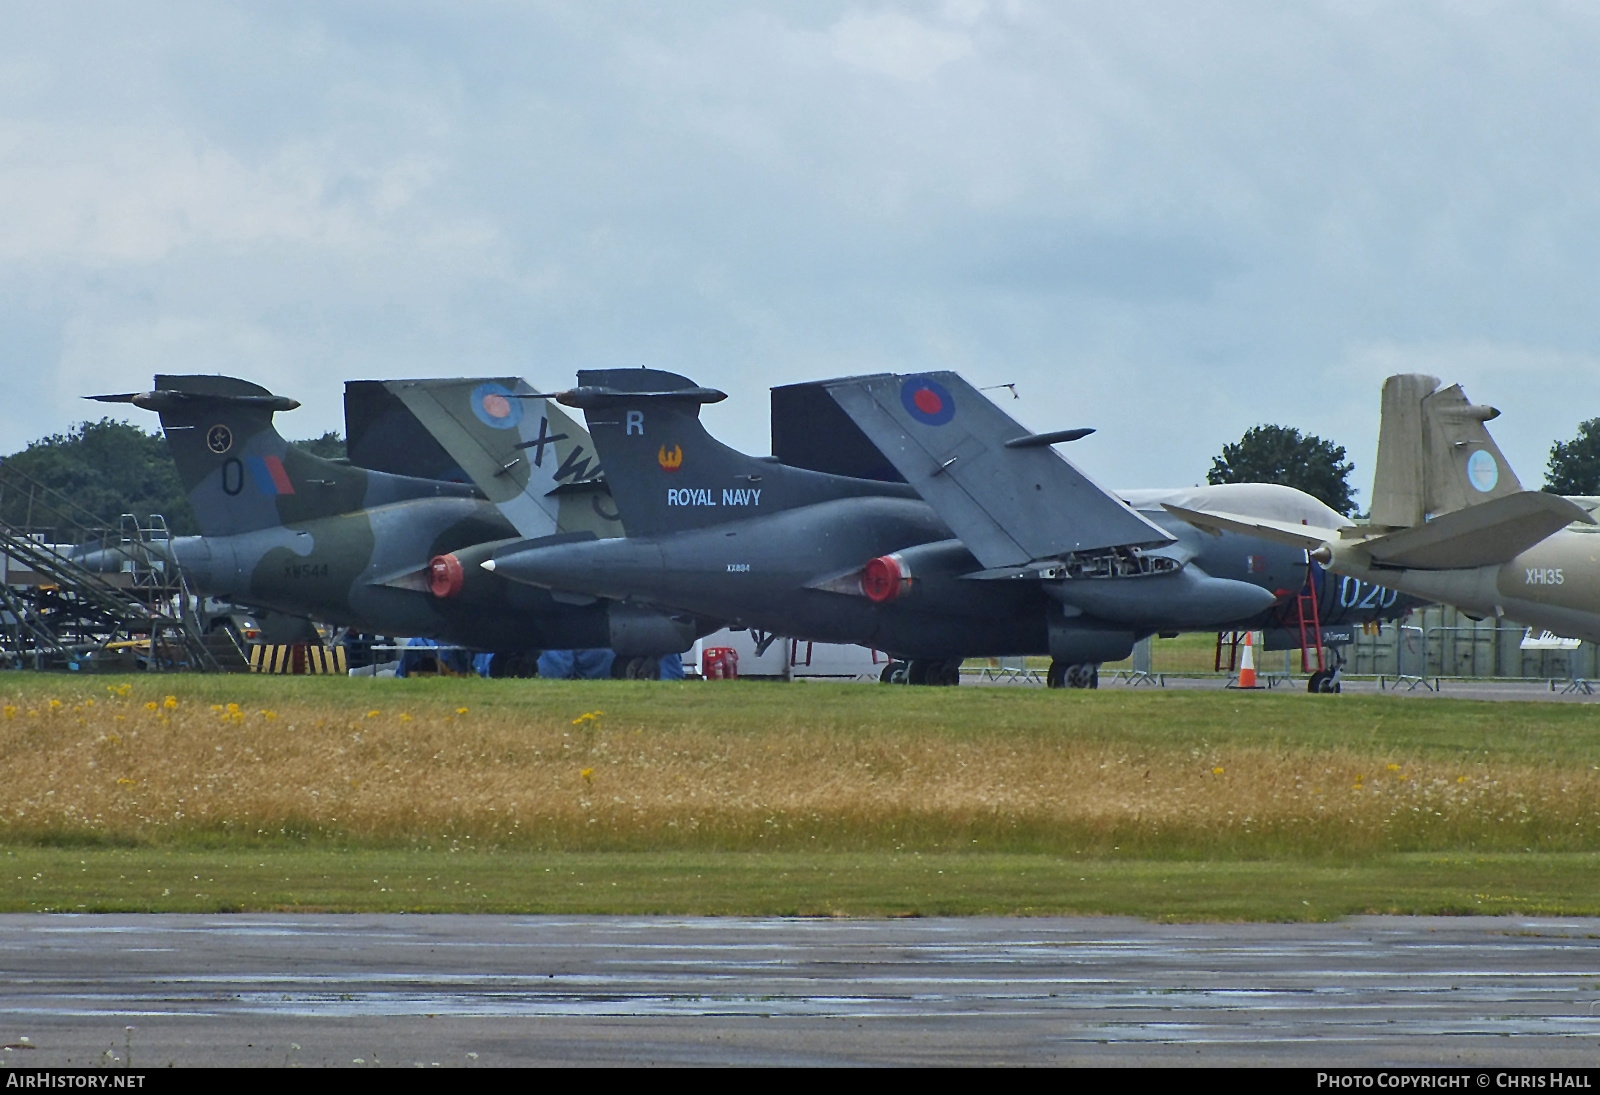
953	532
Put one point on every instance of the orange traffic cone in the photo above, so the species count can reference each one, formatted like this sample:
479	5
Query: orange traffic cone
1247	667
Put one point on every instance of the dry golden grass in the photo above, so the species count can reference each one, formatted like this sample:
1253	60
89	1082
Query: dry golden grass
416	769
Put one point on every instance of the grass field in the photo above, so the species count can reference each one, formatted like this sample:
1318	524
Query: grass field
191	793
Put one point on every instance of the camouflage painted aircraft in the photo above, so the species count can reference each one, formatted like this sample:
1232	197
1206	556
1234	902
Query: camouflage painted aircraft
285	530
1450	521
962	561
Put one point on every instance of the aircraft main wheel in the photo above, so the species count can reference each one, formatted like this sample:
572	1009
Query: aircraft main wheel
642	669
1082	676
1056	675
917	671
893	673
945	673
1315	682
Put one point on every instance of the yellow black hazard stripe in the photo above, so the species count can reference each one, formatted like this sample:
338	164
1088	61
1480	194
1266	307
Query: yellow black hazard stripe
297	658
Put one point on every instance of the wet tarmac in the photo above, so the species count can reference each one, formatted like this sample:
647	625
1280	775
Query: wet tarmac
497	990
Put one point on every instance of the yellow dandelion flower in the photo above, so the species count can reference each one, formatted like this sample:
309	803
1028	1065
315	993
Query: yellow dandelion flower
1216	771
237	716
233	709
88	703
126	782
1394	768
461	710
217	707
151	705
55	705
11	712
374	713
587	775
170	702
269	714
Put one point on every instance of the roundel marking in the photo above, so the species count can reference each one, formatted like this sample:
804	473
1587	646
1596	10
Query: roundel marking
928	401
1482	471
496	406
219	439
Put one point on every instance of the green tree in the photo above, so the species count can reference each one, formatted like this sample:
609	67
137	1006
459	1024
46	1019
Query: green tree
1575	465
108	468
1279	454
330	446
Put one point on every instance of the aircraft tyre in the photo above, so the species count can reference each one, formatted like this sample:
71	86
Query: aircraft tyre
1322	682
1062	675
1056	675
934	671
642	669
893	673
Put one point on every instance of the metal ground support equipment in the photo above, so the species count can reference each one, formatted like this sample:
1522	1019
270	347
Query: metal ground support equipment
78	594
1143	666
1401	677
1010	671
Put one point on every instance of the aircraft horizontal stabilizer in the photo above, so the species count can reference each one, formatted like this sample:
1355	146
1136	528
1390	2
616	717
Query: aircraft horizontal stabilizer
1487	534
167	400
1011	504
1281	532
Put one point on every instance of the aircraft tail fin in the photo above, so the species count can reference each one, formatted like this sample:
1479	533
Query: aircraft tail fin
1434	454
527	455
239	472
667	474
1004	491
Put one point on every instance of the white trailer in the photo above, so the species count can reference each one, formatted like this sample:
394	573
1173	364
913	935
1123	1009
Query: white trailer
789	659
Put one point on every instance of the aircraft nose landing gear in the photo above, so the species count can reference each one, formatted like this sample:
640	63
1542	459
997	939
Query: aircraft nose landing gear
1062	675
1328	681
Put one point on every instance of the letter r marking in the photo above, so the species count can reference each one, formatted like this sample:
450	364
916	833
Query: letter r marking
635	423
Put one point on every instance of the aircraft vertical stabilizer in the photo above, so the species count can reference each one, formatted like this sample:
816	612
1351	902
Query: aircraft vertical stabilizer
669	475
1434	454
1003	491
239	472
525	453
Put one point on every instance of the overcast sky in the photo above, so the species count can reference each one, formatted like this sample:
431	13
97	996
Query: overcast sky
1170	221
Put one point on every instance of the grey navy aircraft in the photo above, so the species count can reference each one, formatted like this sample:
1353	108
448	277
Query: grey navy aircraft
996	546
1451	522
283	529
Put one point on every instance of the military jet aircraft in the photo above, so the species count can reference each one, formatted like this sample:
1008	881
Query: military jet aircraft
286	530
1450	521
1019	553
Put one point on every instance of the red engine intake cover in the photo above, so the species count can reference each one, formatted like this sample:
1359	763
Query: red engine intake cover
882	579
445	576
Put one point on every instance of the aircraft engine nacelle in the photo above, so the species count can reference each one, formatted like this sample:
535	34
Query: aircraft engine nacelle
889	577
458	575
885	578
645	632
445	576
